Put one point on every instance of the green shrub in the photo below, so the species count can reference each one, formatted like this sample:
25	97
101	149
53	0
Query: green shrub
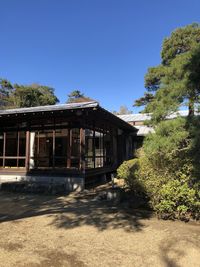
128	171
176	200
126	168
165	171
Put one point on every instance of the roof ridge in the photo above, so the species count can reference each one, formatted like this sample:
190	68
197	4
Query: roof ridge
51	107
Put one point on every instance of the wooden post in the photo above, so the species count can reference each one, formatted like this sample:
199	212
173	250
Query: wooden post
27	150
69	145
54	136
111	146
82	150
104	159
4	148
93	148
18	137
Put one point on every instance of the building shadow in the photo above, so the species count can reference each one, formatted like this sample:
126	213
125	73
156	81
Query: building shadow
74	210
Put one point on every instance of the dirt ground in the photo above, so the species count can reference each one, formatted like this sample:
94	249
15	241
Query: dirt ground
79	230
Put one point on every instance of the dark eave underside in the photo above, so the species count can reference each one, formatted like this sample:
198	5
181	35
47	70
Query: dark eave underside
67	107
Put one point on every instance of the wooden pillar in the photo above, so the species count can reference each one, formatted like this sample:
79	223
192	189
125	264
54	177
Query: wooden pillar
82	150
104	154
93	148
111	145
114	138
18	137
4	148
69	146
27	160
54	145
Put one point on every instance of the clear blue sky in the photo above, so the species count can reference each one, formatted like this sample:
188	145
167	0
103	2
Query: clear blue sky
101	47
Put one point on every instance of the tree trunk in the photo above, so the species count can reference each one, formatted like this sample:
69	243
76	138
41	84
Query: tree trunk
191	107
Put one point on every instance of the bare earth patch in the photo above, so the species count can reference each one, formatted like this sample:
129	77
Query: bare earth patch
78	230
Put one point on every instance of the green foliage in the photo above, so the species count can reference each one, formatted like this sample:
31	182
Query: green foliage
147	98
77	97
176	199
168	144
128	171
75	94
153	78
5	91
19	96
175	82
122	111
126	168
169	164
181	41
165	171
33	95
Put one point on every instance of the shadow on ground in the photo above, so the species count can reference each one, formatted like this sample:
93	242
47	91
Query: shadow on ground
174	250
71	211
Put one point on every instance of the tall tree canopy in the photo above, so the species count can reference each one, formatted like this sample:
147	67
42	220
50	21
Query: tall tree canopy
175	82
33	95
77	96
19	96
123	110
5	90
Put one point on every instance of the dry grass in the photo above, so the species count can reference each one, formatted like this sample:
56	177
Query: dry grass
77	230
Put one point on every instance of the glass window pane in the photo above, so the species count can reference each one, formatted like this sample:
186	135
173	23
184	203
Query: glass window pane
98	162
61	144
107	144
88	143
1	163
45	148
75	163
98	144
21	163
11	143
89	163
22	144
94	142
42	149
75	147
75	150
89	160
10	163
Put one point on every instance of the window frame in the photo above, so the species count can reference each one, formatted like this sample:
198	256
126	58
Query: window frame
4	157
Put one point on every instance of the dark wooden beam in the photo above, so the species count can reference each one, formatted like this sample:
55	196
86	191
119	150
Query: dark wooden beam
4	148
69	148
18	137
27	160
54	146
82	150
93	147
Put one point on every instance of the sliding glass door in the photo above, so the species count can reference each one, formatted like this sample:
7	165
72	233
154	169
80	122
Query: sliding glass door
58	148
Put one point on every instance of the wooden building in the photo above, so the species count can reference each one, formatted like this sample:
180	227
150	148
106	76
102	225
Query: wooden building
66	144
139	120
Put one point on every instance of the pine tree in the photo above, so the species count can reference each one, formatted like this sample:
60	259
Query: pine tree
175	82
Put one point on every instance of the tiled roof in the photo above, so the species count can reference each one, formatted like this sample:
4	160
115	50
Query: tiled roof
144	130
134	117
50	108
145	116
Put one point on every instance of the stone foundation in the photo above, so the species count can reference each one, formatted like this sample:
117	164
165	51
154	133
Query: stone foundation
68	184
